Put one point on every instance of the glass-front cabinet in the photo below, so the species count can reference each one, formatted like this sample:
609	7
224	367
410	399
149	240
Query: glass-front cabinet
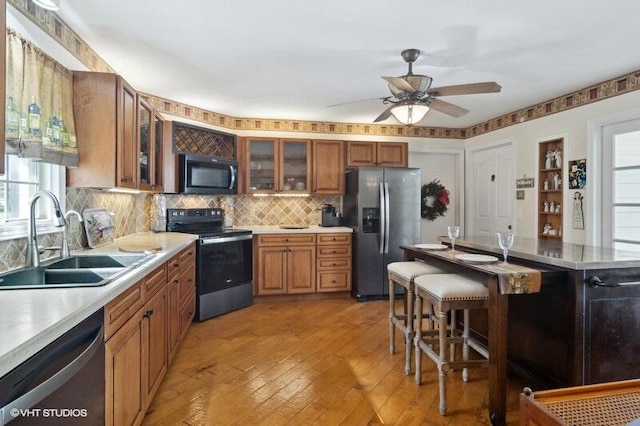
158	172
146	140
278	165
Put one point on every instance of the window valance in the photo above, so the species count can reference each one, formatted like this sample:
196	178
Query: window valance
39	120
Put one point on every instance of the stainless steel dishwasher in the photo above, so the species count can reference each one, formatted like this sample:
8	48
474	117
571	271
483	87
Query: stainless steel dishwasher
62	384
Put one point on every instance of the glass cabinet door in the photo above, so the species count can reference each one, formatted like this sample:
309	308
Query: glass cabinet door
158	169
145	142
262	165
295	165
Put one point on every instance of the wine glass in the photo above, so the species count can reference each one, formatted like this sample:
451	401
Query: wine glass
505	241
453	232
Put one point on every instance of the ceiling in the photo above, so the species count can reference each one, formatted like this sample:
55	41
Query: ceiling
291	59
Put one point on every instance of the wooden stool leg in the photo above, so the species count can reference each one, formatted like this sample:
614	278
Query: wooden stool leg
442	366
392	315
408	338
418	338
465	345
452	328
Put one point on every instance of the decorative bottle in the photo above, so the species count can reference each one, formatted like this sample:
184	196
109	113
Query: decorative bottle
12	118
33	118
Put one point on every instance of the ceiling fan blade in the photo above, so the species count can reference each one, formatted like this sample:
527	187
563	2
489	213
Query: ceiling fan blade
400	84
385	114
355	102
465	89
447	108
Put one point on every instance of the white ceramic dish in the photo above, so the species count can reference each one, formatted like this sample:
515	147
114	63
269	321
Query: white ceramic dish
432	246
476	258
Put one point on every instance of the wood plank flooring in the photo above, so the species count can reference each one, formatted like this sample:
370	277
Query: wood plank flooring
304	362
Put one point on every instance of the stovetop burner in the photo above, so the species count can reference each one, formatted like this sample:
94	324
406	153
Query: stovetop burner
202	222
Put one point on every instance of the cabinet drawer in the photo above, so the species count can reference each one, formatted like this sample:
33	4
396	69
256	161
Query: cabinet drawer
187	312
333	251
334	281
336	263
155	280
173	266
334	239
187	284
187	255
119	310
286	239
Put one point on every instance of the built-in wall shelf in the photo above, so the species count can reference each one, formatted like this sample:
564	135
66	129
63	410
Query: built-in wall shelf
550	189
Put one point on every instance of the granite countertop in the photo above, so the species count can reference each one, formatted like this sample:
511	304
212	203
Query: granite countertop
31	319
555	253
313	229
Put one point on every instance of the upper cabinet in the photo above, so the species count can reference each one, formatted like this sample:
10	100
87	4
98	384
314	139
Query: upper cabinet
384	154
116	133
328	167
276	165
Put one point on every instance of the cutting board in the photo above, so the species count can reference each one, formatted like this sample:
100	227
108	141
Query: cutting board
294	226
140	248
99	227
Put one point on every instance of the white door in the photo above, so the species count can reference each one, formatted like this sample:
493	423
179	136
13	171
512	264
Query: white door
447	168
490	190
621	185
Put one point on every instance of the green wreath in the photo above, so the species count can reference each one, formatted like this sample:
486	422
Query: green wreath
434	200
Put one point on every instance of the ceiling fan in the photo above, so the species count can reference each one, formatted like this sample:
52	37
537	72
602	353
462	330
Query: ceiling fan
412	95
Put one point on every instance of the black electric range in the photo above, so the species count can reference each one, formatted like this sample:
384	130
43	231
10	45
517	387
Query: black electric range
224	259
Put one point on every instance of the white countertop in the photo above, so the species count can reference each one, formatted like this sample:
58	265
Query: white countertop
311	229
31	319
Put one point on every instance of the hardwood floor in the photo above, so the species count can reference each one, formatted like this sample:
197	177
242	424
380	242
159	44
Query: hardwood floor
304	362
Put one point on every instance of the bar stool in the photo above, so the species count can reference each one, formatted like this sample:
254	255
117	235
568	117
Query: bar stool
403	274
448	292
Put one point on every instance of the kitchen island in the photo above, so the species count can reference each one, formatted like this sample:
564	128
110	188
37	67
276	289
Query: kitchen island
581	327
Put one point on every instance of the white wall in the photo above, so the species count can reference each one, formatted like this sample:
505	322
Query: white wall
579	127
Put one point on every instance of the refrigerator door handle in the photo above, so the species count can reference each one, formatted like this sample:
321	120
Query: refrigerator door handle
387	218
383	218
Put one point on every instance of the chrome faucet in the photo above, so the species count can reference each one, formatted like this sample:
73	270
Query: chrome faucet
65	234
33	254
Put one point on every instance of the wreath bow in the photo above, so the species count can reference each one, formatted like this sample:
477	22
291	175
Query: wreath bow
434	200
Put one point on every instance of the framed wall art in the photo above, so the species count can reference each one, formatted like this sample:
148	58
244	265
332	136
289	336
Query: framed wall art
577	174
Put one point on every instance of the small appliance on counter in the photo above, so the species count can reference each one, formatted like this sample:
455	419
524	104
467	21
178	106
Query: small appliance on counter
329	217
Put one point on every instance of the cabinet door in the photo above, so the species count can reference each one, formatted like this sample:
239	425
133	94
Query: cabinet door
301	269
392	154
272	269
123	364
262	165
173	316
126	135
328	167
146	142
157	171
361	154
154	343
295	167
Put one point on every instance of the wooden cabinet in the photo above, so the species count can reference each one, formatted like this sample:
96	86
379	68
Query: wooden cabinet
550	189
277	165
286	263
157	176
334	262
384	154
116	134
328	167
143	328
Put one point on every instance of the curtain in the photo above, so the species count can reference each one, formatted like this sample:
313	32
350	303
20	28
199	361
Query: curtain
39	105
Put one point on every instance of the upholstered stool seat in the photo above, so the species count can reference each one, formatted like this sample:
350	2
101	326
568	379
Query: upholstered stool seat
403	274
447	293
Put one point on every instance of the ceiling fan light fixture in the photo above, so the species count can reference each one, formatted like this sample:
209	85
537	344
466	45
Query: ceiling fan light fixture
48	4
410	113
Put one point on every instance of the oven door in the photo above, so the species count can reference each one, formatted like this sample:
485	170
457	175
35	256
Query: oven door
223	262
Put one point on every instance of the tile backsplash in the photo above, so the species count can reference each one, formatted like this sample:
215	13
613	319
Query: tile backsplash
138	213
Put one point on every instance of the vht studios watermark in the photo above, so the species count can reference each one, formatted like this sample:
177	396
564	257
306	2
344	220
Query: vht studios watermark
49	412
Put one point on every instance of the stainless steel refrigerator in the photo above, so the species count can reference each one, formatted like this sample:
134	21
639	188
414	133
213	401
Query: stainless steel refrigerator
382	206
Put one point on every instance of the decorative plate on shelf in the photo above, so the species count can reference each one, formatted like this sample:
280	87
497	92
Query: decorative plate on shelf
476	258
99	227
432	246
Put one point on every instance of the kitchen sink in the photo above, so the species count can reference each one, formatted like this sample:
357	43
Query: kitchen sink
74	271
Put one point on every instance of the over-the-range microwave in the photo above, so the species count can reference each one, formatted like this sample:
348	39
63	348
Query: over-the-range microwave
208	175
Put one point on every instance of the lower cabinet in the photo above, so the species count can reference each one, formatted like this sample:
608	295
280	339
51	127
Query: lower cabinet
302	263
143	329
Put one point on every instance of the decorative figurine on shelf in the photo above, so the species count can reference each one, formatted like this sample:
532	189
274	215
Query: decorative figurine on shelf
547	160
552	206
558	158
556	181
546	184
546	207
546	229
558	209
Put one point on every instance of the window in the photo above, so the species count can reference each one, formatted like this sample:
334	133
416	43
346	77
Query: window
22	179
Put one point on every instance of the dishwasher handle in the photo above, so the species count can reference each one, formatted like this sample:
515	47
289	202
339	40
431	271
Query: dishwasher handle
46	388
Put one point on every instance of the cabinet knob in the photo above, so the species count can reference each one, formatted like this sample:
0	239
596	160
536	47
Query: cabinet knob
148	313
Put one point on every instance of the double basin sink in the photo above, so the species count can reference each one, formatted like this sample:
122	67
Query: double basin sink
73	271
